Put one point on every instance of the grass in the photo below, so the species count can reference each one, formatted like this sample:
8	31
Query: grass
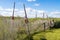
34	19
48	35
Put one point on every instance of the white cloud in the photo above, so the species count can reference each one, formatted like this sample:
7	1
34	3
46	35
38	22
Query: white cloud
36	4
31	0
6	11
1	8
55	14
30	12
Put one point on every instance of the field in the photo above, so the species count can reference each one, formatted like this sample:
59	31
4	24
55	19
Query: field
48	35
17	30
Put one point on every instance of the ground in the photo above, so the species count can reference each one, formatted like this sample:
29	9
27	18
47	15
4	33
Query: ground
49	35
53	34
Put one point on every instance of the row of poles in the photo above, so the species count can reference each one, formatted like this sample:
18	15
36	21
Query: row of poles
25	12
26	20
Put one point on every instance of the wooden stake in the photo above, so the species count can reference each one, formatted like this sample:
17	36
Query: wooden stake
26	21
44	26
13	11
36	15
12	22
43	15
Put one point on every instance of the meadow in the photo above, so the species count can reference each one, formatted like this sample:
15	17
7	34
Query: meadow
16	30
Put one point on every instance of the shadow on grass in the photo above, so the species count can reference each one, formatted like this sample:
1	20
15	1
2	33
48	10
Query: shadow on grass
42	38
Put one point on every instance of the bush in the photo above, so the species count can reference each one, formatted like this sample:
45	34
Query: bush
57	24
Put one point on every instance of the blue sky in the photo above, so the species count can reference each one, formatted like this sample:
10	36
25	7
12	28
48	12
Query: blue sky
49	7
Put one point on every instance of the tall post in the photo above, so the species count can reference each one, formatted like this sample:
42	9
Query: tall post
44	26
36	14
26	19
44	22
12	24
27	25
43	15
13	11
47	16
48	20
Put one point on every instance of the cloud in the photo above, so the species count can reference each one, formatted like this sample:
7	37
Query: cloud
6	11
55	14
36	4
31	0
30	12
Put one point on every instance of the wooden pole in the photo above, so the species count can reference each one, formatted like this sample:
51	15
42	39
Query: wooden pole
44	26
36	15
43	15
26	21
12	23
13	11
44	22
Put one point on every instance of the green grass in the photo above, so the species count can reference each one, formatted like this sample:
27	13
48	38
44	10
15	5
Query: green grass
34	19
49	35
